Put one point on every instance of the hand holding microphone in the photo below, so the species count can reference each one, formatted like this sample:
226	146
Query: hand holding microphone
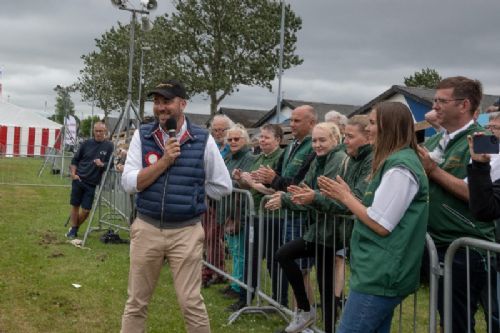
172	147
171	126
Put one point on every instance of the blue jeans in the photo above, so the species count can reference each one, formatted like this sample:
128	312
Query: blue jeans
366	313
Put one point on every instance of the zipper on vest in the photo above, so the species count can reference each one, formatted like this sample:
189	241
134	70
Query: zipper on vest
163	199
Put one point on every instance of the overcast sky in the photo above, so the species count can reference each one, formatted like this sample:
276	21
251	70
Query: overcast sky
353	50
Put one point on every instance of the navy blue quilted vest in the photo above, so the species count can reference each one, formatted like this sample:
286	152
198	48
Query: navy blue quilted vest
179	193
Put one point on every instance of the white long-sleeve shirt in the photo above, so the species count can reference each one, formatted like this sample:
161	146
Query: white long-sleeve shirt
390	202
217	179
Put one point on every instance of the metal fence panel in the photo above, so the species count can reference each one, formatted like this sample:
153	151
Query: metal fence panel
488	283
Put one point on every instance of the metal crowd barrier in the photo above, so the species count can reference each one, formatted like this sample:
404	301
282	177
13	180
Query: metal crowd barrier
114	196
114	206
490	305
230	221
264	282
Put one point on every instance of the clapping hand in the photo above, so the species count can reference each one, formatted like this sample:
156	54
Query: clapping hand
236	174
336	189
301	195
427	162
247	179
264	175
275	201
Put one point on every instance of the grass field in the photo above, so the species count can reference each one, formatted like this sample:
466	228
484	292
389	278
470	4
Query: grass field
38	268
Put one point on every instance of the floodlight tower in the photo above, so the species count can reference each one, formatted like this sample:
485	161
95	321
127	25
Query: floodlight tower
124	118
146	7
141	80
280	73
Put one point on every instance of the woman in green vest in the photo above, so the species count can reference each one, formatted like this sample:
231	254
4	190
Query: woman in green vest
230	211
389	234
270	137
317	241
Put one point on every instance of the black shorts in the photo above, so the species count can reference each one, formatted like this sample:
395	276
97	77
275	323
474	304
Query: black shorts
82	194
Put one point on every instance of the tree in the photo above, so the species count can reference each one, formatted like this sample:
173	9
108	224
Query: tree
86	126
64	104
426	78
104	78
212	45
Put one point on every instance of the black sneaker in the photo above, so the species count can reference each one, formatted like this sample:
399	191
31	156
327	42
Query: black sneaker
232	294
236	306
71	234
217	280
228	292
225	289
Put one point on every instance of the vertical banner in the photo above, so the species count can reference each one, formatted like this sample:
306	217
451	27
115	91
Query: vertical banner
70	131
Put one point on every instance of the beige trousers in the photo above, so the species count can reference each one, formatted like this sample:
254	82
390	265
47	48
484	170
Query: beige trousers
182	248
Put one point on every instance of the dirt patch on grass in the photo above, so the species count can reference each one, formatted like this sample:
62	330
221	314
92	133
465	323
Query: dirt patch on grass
56	254
102	257
49	238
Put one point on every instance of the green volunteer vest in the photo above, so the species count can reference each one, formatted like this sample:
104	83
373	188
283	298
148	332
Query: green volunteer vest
321	229
242	159
449	217
291	165
289	169
390	266
262	159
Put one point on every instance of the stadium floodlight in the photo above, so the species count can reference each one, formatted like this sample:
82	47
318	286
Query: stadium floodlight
119	3
149	4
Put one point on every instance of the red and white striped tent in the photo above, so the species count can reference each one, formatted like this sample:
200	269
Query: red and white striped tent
26	133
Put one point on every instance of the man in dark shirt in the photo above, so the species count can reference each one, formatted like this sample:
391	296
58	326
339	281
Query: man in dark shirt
87	167
290	170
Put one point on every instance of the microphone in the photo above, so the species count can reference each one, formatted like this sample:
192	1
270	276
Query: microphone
171	127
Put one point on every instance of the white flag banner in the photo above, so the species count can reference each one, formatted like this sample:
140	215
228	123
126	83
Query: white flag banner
70	130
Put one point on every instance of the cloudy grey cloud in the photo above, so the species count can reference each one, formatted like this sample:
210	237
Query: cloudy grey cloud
353	50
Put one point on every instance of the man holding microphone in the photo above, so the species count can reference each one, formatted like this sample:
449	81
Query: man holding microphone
170	171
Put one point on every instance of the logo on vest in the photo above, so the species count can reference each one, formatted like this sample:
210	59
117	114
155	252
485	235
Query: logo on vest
152	158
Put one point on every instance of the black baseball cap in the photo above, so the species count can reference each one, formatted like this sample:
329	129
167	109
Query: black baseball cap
170	89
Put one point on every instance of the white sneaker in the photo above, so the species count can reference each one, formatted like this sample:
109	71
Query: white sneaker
301	320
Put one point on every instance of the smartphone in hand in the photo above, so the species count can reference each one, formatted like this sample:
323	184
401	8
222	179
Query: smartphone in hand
485	144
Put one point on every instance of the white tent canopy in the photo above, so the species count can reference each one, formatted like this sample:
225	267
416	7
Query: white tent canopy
26	133
13	115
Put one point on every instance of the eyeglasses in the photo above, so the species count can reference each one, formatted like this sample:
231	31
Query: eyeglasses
492	127
442	101
233	139
219	130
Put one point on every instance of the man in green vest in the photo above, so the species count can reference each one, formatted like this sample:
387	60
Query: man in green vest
445	161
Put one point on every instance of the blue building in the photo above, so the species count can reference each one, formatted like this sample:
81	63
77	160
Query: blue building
419	101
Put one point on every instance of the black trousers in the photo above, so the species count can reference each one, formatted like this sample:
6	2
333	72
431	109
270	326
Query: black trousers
478	279
325	256
273	240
